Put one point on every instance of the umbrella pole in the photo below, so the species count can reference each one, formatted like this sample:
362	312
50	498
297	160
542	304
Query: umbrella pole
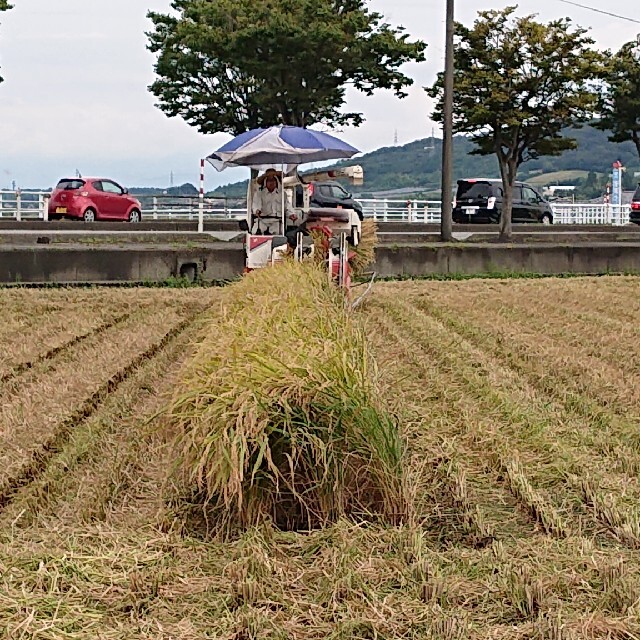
284	215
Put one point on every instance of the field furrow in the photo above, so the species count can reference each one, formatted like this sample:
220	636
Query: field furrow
93	467
524	428
34	322
440	417
591	360
37	416
21	367
587	420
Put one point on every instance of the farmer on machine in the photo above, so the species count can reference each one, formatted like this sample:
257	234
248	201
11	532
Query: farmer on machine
267	205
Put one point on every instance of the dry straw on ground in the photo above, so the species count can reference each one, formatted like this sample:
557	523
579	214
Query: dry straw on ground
278	414
90	548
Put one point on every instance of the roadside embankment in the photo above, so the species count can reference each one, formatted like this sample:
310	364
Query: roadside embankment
213	261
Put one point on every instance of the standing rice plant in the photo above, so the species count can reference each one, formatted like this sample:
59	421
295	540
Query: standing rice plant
279	415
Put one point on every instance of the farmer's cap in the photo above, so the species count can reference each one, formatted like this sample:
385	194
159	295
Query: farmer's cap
268	174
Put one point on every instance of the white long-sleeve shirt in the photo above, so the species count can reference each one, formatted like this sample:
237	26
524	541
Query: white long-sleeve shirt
269	203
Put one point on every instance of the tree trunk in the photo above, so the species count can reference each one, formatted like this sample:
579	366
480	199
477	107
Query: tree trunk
635	136
508	173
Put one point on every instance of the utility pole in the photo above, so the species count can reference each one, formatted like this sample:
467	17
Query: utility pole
636	50
446	224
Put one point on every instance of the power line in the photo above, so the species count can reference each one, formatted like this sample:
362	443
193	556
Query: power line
606	13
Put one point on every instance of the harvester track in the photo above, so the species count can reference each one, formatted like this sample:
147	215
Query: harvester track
40	457
19	369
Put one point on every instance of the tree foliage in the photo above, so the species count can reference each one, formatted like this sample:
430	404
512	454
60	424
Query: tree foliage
620	97
518	84
233	65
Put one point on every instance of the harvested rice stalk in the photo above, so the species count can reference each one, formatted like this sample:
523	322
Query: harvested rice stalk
365	253
360	256
279	416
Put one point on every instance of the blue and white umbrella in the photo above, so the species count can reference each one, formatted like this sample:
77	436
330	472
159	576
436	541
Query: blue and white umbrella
279	145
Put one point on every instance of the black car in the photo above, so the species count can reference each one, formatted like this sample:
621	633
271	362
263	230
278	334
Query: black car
329	194
480	200
634	216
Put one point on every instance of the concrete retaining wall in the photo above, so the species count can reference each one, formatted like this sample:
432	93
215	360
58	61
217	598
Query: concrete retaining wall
223	261
475	258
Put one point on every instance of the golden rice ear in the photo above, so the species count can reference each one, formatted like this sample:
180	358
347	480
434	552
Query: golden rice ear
278	416
364	254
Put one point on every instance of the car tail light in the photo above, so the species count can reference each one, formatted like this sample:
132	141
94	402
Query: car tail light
635	206
491	202
310	190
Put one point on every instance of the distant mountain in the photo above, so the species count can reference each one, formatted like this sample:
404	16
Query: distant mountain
186	189
415	167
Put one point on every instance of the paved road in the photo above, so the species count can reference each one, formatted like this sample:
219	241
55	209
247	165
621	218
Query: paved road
389	233
465	235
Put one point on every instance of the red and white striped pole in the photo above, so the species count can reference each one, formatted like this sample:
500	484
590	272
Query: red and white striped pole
201	203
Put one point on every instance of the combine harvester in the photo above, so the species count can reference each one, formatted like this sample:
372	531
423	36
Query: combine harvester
284	148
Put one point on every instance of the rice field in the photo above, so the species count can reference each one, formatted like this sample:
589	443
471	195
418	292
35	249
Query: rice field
521	408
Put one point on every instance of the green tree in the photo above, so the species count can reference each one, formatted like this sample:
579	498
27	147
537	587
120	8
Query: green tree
629	179
592	187
518	83
233	65
620	96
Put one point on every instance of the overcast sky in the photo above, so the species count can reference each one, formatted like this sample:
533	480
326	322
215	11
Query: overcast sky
76	75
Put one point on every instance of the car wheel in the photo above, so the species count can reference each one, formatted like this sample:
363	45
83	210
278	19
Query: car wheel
546	219
89	215
134	216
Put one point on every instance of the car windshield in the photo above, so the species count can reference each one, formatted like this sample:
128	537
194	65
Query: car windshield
473	190
339	192
70	185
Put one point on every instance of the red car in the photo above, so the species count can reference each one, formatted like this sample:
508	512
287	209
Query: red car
92	199
635	207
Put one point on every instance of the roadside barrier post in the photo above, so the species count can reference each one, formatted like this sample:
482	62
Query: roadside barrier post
201	203
45	206
18	205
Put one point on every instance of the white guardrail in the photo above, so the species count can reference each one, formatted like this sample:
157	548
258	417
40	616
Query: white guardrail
33	205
